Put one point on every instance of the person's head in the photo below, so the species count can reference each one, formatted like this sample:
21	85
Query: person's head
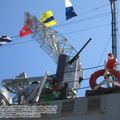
110	55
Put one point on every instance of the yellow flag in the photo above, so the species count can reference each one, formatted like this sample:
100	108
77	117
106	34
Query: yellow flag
48	19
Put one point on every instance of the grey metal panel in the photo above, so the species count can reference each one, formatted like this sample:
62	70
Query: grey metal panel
61	67
113	106
94	103
80	106
104	104
108	108
72	74
67	107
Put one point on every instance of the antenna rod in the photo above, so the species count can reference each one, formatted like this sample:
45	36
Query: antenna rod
114	38
77	55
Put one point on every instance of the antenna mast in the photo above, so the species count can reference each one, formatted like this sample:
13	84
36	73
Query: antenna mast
114	38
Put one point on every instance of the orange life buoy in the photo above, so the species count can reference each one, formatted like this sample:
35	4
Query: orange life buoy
95	75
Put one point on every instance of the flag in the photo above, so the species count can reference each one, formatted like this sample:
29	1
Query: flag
26	30
4	39
69	10
48	19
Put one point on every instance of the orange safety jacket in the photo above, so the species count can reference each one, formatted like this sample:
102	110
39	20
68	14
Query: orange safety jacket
111	63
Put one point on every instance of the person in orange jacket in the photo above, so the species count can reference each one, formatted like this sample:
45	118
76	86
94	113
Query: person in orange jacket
111	62
110	65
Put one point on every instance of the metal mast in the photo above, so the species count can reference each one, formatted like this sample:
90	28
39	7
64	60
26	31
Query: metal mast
114	38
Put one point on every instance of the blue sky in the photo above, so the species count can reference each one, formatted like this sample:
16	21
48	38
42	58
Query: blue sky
93	21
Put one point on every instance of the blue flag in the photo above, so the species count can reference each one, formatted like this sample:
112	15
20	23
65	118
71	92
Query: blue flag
69	10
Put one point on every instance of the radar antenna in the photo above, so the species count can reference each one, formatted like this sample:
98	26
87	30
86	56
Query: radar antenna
52	42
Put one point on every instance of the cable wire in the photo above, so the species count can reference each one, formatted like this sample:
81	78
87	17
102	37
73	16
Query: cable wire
80	14
103	51
86	12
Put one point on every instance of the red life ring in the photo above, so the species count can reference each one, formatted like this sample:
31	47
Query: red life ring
95	75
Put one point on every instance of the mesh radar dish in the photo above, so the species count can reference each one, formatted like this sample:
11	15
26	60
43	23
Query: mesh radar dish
52	42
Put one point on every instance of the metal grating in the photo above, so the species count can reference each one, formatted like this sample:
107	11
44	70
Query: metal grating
52	42
94	103
67	107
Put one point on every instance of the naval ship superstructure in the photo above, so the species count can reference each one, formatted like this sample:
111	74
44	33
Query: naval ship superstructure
55	96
